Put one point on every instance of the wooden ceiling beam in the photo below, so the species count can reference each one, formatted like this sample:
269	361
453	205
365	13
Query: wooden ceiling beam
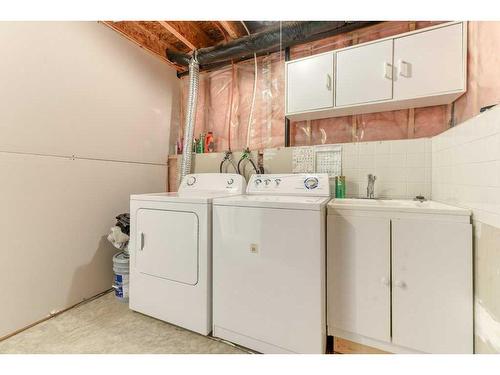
188	33
148	32
158	53
234	29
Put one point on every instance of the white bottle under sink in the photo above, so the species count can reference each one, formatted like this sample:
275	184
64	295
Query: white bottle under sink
400	275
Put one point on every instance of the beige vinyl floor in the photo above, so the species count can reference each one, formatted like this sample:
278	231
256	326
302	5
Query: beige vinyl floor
107	326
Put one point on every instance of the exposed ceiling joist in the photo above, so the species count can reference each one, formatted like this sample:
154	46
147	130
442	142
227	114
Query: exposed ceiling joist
188	33
279	36
234	29
151	35
155	51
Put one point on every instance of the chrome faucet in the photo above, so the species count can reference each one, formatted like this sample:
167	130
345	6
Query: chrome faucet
370	189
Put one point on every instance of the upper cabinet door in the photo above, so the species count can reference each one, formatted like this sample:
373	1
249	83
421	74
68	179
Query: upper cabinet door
310	83
364	74
430	62
432	286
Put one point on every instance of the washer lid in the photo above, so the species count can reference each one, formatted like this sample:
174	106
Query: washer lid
201	197
274	201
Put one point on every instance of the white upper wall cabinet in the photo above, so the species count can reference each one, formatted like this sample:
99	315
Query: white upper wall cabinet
310	83
429	63
420	68
364	74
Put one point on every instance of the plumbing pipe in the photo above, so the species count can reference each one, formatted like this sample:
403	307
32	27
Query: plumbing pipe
285	35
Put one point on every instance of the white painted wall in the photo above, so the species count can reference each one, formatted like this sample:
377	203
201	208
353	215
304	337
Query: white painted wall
84	122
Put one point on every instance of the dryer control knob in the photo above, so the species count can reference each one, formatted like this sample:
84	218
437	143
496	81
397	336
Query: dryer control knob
311	183
191	180
267	181
258	182
230	181
277	181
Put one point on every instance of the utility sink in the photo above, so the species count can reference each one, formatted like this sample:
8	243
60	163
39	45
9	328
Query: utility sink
400	205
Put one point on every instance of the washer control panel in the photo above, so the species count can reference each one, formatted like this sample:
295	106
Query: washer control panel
316	184
203	182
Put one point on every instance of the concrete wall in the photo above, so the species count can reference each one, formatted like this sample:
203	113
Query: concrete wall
85	120
466	173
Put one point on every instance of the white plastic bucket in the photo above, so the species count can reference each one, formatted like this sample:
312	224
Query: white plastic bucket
121	276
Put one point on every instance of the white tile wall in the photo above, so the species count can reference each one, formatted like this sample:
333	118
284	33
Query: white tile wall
403	167
466	166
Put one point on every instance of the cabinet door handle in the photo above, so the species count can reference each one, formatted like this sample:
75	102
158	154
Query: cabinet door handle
385	281
388	70
400	284
142	241
329	82
404	69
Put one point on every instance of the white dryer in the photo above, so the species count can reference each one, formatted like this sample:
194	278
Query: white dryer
171	252
269	264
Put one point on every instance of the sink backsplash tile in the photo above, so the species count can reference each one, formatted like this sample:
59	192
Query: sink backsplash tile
402	167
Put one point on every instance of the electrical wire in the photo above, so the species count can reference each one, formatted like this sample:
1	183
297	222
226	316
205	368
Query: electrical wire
228	156
239	163
250	116
248	351
254	166
231	95
246	156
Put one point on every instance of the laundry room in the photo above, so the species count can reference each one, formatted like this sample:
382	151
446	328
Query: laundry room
201	180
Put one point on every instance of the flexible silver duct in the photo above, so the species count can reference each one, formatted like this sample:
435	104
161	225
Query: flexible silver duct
194	76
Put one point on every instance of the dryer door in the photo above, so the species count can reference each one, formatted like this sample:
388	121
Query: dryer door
167	245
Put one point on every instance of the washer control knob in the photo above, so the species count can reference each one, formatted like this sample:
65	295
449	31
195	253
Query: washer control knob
258	182
311	183
191	180
277	181
230	181
267	181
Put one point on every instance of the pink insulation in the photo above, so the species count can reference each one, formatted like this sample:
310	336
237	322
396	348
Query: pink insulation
215	113
483	78
219	114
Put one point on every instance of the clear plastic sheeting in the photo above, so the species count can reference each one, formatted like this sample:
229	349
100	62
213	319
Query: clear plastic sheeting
217	113
391	125
483	60
227	115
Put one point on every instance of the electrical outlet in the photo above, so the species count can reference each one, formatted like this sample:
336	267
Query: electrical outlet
254	248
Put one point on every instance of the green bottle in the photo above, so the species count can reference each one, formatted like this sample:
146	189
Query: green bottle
340	187
200	145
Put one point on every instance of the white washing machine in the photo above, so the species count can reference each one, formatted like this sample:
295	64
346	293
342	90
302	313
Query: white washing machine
171	250
269	264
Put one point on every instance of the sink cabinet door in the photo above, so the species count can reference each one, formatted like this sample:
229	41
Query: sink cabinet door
358	274
432	286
